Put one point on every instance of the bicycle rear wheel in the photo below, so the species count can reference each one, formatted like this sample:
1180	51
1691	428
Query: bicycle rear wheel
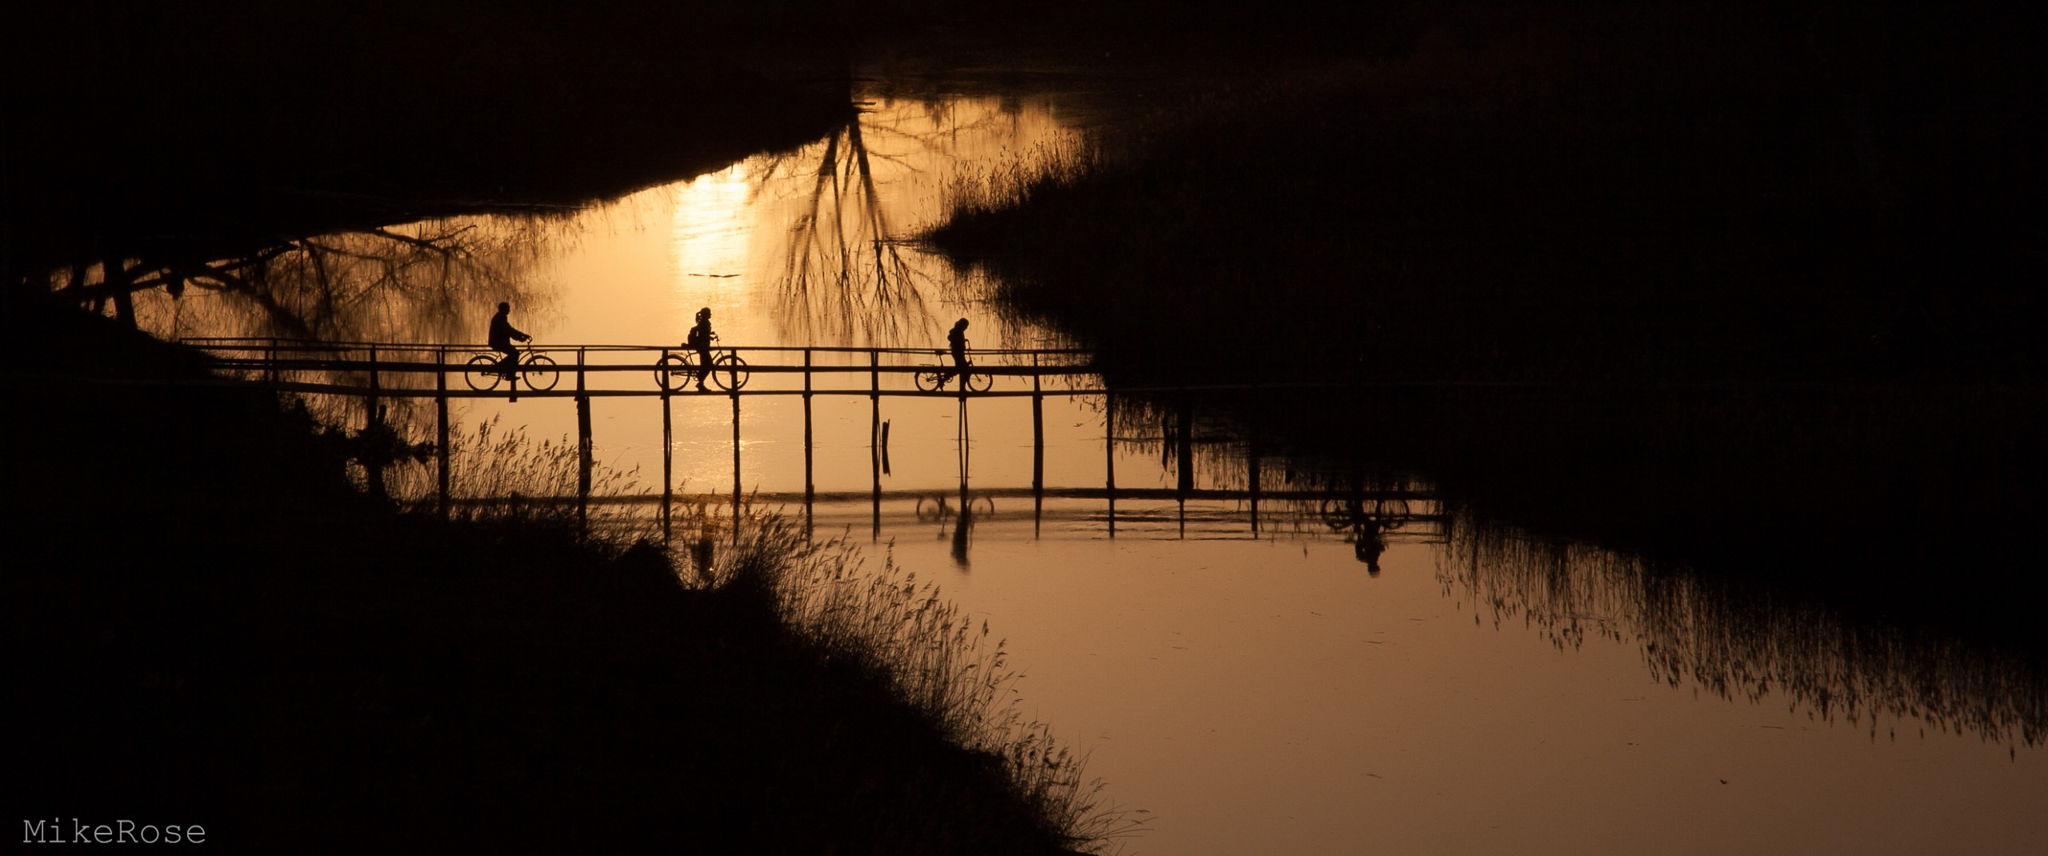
926	380
729	372
541	373
672	373
482	371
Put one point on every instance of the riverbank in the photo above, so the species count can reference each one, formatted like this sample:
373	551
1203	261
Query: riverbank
1716	290
207	624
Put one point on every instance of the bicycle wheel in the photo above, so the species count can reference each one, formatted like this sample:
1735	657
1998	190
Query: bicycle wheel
672	372
1391	513
974	381
1336	514
541	373
482	371
932	508
927	380
729	372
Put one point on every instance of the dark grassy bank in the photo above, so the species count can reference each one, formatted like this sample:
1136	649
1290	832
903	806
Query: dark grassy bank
206	624
1749	289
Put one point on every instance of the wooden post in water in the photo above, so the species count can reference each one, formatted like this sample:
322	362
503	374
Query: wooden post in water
1184	444
441	427
875	432
375	445
668	455
1037	430
1109	450
965	459
1251	464
583	449
810	487
735	393
1037	447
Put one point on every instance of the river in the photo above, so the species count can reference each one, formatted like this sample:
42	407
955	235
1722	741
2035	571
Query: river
1241	683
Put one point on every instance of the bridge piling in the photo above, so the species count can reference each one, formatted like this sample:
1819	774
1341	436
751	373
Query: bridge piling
1251	464
1037	447
875	434
1109	454
374	432
441	430
735	395
668	457
810	486
583	447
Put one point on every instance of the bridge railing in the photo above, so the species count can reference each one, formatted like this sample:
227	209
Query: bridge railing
401	369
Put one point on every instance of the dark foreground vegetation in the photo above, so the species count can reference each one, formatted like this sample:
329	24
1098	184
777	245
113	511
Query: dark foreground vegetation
207	624
1754	289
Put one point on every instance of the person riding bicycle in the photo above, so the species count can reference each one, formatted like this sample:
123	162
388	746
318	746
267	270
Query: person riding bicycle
700	339
502	334
957	339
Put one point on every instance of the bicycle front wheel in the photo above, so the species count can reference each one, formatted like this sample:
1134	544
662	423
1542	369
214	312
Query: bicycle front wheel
672	372
729	372
974	381
1391	513
482	371
541	373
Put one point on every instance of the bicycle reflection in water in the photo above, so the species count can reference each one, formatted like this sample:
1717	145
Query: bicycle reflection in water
1367	523
939	508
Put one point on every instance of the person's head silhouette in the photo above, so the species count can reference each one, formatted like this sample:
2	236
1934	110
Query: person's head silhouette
504	308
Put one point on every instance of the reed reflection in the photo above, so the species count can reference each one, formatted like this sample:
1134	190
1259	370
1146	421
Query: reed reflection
1738	643
1733	639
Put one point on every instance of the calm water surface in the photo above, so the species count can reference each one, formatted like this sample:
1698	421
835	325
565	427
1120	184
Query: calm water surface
1247	691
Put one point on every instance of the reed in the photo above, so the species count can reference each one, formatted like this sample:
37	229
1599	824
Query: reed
937	659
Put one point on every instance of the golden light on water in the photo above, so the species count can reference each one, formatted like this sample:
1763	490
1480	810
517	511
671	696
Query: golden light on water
711	240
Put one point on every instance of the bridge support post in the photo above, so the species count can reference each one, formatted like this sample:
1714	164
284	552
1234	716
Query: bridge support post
668	458
1184	444
441	429
1109	454
875	433
810	486
583	448
1037	447
375	435
735	467
1251	464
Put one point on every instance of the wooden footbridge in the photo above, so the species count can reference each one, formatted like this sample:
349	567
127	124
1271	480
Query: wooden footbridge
376	372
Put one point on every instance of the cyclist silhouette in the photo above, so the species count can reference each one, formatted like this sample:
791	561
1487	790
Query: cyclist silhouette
502	334
700	338
957	339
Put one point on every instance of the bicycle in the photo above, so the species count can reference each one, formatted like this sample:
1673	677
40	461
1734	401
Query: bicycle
674	371
1342	514
937	507
933	378
486	370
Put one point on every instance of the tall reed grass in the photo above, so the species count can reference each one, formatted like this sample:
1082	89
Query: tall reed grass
938	660
933	658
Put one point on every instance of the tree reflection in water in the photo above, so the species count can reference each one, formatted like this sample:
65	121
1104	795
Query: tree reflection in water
429	281
843	276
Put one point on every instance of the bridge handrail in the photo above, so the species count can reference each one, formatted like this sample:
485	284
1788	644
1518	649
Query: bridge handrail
270	344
